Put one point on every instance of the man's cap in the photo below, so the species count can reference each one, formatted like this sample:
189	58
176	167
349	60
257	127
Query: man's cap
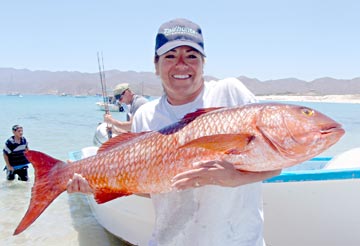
16	127
179	32
120	88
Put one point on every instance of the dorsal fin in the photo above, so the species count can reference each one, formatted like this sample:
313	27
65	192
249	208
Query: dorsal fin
120	139
186	120
192	116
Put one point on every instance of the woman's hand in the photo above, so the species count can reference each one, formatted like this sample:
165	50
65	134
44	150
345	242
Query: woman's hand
78	184
217	172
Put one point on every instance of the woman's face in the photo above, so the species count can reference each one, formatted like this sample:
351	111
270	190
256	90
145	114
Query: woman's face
181	73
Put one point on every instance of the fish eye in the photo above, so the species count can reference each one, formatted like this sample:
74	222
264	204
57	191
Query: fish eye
307	111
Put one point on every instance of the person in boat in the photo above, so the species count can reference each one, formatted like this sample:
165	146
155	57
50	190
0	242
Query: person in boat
13	152
212	204
123	94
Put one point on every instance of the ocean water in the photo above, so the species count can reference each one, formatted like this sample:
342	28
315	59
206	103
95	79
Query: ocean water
54	125
58	125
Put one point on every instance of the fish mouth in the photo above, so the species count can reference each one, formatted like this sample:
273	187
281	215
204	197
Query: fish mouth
331	129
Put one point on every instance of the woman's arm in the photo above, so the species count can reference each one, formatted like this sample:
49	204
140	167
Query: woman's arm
218	173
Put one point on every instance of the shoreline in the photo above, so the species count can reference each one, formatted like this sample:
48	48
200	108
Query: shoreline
353	98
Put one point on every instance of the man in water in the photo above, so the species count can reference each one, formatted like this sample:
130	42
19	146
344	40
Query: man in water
13	152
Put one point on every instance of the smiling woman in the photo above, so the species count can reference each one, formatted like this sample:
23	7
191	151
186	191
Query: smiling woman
179	62
181	71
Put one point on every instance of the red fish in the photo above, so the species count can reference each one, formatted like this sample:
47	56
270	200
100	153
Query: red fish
254	137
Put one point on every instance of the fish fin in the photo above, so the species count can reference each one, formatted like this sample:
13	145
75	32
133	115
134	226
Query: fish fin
227	143
188	118
234	151
193	115
120	139
103	195
46	187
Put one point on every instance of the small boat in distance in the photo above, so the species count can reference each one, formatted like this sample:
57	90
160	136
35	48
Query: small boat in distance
80	96
64	94
14	94
112	107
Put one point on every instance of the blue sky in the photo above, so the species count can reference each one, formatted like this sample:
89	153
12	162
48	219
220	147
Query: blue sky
305	39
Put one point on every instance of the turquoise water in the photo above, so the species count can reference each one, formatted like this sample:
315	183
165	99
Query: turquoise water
57	125
54	125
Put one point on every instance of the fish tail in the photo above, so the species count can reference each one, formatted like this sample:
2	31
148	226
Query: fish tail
46	187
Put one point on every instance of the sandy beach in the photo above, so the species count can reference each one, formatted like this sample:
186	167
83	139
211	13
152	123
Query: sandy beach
353	98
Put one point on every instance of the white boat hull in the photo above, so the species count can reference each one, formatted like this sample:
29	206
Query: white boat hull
112	107
307	207
129	218
297	213
312	213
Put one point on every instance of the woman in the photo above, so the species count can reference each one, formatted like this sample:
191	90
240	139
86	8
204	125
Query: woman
226	206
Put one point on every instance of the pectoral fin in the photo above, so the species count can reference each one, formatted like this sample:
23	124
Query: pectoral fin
106	194
226	143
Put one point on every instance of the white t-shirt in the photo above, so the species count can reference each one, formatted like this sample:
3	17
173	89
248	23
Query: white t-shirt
209	215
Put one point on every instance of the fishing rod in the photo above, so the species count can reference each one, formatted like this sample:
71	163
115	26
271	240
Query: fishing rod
104	90
103	84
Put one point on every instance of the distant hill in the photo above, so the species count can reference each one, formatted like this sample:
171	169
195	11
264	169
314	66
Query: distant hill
76	83
45	82
293	86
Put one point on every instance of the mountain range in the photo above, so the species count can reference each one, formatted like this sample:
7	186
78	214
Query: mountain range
25	81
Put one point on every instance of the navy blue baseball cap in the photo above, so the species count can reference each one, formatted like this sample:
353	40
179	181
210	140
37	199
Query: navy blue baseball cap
179	32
